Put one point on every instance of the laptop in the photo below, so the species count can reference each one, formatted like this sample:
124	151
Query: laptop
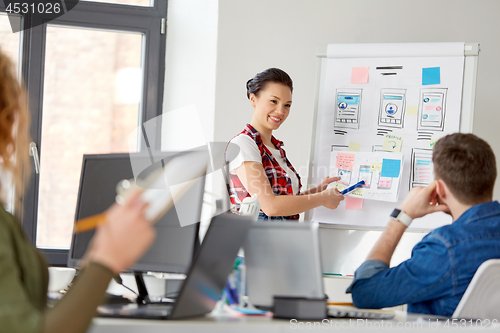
283	259
206	277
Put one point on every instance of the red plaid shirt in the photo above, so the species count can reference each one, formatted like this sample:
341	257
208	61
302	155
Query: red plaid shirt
280	182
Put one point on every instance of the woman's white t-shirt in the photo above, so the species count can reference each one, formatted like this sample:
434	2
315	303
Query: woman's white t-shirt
249	152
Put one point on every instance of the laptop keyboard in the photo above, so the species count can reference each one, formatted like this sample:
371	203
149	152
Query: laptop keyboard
148	311
358	313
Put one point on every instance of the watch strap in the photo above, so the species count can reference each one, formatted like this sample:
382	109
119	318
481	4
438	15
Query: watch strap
401	216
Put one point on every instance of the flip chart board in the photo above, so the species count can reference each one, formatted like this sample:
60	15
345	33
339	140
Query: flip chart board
388	99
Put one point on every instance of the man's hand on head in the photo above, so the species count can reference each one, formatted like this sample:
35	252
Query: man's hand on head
422	201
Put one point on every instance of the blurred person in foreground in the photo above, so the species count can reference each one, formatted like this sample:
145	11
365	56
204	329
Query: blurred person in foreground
117	244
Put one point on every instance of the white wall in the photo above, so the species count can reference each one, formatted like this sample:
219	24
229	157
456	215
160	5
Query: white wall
190	70
189	99
256	34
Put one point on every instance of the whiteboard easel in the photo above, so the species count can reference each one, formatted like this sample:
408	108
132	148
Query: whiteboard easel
471	52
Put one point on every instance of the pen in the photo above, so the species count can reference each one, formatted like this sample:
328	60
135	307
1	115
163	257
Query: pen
353	187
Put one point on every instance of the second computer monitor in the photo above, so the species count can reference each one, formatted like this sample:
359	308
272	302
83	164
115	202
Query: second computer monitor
174	245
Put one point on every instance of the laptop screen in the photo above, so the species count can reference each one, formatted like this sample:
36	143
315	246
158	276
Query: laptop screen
282	258
212	265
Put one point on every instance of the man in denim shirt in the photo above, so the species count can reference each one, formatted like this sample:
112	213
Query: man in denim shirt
442	265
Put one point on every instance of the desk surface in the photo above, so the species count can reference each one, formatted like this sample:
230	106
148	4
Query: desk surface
222	324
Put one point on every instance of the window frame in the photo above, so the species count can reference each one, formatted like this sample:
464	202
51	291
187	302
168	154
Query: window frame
95	15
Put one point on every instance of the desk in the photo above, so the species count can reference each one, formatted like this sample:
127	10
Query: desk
223	324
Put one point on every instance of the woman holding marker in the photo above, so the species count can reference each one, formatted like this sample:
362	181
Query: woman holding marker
116	245
262	167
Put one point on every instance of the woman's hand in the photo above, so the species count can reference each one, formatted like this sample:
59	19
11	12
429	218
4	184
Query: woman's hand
124	238
321	186
331	198
325	182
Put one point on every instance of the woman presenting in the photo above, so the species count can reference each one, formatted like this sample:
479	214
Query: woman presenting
262	167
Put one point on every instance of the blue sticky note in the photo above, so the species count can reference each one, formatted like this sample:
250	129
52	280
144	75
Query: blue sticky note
390	168
248	311
431	75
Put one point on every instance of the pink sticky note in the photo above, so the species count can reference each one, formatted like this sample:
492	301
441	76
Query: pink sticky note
359	74
385	183
353	203
345	161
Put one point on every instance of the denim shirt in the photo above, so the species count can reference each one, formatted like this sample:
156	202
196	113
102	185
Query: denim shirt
441	266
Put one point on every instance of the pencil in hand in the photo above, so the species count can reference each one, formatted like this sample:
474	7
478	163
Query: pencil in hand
90	223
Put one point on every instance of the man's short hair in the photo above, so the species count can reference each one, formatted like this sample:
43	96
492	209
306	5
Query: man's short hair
467	165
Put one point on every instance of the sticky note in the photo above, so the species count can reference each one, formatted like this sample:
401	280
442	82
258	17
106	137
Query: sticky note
376	167
357	193
432	143
345	161
412	110
353	146
359	75
353	203
390	168
248	311
431	75
392	142
340	187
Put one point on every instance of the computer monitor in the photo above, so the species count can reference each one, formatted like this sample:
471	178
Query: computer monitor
174	246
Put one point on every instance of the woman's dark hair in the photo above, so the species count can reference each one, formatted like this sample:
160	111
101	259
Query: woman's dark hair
260	80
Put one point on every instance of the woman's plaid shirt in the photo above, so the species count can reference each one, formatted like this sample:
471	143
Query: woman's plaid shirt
280	182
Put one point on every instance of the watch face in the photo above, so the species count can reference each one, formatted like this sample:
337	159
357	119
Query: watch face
395	212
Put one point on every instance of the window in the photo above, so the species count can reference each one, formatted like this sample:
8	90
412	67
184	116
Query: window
93	75
10	42
90	106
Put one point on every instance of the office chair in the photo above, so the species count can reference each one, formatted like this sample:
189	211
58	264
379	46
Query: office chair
481	300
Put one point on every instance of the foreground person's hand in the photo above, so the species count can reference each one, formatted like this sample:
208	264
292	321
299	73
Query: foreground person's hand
124	238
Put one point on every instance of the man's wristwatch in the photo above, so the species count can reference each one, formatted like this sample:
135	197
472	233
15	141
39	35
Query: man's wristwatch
399	215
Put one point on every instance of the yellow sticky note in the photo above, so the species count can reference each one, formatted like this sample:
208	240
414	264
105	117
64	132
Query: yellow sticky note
392	142
340	187
353	146
358	193
412	110
432	143
376	167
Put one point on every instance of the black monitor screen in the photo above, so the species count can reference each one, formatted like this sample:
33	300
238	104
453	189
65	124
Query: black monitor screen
173	248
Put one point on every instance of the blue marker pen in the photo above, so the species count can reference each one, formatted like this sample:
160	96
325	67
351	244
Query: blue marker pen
353	187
